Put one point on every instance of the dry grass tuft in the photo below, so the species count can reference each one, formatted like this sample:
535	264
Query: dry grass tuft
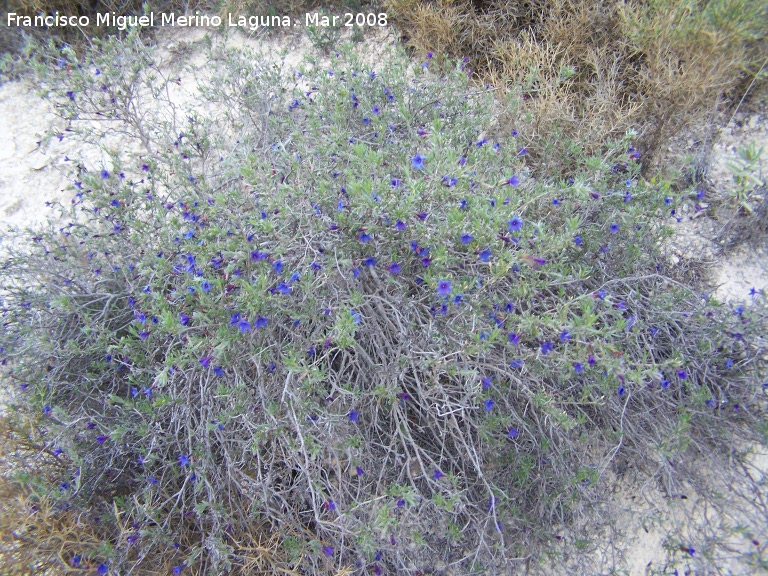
590	70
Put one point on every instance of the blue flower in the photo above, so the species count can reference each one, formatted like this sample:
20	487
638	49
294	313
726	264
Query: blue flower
353	416
205	286
359	471
682	374
565	336
234	318
487	382
546	347
261	322
355	316
394	268
466	238
243	325
102	569
621	391
183	460
219	371
370	261
418	162
104	174
514	338
577	240
513	433
444	287
437	474
205	361
283	288
364	237
257	255
400	225
489	404
578	367
485	255
328	551
513	181
515	224
278	266
614	228
177	569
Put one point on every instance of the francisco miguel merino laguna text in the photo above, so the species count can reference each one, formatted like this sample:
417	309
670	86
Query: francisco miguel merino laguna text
123	22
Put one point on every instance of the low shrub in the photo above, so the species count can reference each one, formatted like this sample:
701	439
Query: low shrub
329	323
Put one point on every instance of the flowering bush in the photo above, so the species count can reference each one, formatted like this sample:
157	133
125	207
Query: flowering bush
329	320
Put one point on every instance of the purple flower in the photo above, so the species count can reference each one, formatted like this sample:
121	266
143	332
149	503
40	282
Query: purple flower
101	439
485	255
546	347
144	335
614	228
355	316
682	374
104	174
577	240
515	224
328	551
487	382
177	569
205	286
394	268
359	471
514	181
466	238
578	367
205	361
364	237
418	162
218	370
513	433
353	416
102	569
514	338
330	505
370	261
444	287
565	336
400	225
243	325
400	503
257	255
261	322
437	474
621	391
489	404
183	460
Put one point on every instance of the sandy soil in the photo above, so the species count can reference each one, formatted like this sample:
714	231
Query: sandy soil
652	523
